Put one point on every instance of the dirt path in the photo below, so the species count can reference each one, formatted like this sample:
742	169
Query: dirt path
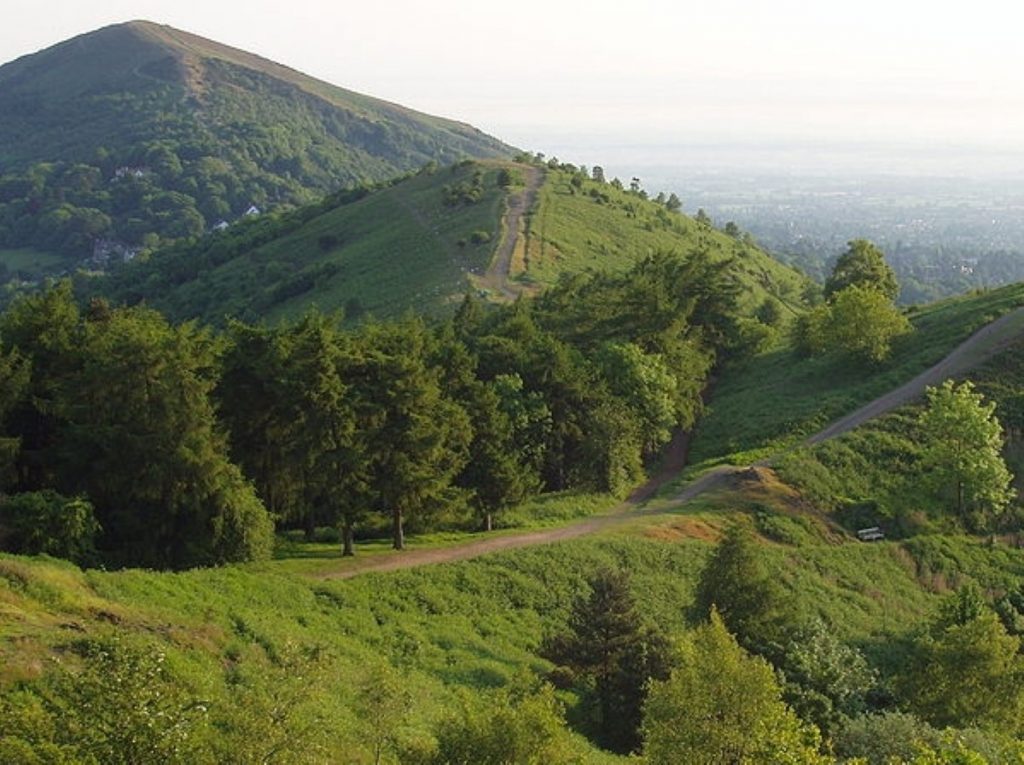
984	344
519	204
978	348
672	463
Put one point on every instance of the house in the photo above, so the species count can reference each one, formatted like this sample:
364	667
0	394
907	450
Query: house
106	250
221	225
253	210
128	171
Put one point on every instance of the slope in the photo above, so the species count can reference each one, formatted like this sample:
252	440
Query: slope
277	658
139	133
581	223
422	242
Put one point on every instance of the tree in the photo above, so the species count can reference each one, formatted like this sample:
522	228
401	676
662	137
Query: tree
608	646
721	705
256	401
598	173
862	322
966	675
508	725
142	442
735	584
962	460
674	203
645	383
863	265
824	680
44	522
419	437
498	474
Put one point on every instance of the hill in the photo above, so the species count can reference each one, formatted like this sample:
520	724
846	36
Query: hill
283	661
422	242
138	133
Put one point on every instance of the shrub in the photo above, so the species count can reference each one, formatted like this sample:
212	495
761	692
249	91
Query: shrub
480	236
45	522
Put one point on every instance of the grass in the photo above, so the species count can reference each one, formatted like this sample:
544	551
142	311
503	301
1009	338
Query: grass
777	398
595	226
475	624
34	262
396	250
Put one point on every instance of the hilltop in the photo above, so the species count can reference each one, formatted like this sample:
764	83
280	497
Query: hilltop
140	133
495	228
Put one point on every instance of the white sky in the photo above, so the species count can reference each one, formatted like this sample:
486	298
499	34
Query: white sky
546	73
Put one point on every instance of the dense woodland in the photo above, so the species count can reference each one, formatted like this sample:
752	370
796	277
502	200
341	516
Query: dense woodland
427	426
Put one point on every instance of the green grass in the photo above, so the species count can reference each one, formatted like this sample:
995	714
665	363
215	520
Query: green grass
399	249
475	624
295	555
34	262
777	398
573	230
472	625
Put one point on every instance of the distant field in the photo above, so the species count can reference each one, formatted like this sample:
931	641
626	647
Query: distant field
32	261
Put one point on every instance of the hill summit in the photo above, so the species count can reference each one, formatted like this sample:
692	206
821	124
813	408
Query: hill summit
139	133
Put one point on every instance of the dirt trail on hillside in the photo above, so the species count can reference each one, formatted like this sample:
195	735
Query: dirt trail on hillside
978	348
983	345
498	272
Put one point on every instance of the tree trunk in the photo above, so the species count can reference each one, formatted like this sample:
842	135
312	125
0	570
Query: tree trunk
488	521
960	498
309	527
397	534
347	534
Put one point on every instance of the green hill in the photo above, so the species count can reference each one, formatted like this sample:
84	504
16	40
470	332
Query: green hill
283	661
140	133
580	224
422	242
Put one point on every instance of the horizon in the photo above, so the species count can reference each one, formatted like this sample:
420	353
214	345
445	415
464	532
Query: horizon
568	83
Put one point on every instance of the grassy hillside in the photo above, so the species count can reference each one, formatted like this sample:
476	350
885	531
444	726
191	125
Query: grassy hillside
422	243
404	247
230	635
140	133
778	397
580	224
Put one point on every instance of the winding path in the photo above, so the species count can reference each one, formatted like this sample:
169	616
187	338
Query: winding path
975	350
519	205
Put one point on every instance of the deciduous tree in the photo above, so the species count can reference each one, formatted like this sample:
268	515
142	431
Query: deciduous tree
962	461
721	705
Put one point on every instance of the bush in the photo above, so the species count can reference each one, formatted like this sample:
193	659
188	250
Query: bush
480	236
48	523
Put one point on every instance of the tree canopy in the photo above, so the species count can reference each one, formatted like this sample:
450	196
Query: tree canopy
862	265
962	461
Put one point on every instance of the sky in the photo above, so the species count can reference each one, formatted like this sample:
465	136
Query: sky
591	78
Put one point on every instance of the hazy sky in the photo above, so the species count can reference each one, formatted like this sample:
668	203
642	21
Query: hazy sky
568	73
